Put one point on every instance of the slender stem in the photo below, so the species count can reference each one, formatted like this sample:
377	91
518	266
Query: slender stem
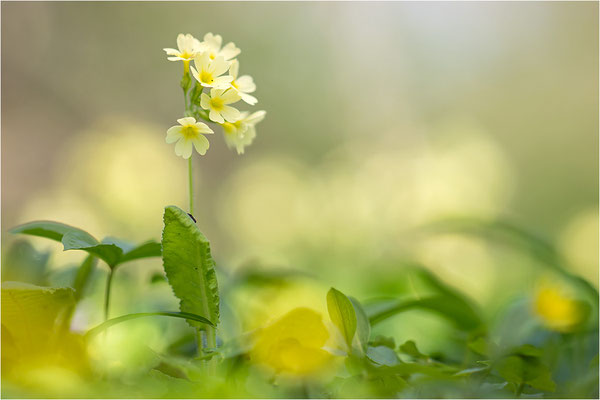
107	293
191	185
520	389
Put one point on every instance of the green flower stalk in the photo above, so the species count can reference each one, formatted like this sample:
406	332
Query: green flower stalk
215	69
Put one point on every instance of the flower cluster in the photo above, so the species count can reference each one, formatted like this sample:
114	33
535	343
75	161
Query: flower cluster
217	85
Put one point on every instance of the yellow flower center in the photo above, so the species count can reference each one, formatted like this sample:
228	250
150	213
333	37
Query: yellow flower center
212	55
189	132
185	54
206	77
216	103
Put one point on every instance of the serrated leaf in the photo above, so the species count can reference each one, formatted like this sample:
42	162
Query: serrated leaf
189	266
342	314
363	327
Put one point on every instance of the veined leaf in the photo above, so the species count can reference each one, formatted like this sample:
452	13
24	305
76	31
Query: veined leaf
113	321
190	267
342	314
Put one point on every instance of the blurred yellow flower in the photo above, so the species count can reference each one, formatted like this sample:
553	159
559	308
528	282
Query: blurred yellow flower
242	132
293	344
244	84
208	72
188	134
217	104
557	311
187	47
212	46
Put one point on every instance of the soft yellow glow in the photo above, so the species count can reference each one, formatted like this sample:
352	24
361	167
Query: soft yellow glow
558	311
294	343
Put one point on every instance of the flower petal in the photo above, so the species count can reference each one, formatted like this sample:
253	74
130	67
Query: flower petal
203	128
230	96
173	134
230	51
249	99
201	144
246	84
183	148
256	117
219	66
234	68
187	121
215	116
230	114
205	101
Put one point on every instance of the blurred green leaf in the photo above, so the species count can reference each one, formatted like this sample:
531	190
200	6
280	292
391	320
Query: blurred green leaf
381	340
410	348
144	250
84	274
113	321
342	314
48	229
509	233
111	250
383	355
448	307
23	263
521	370
189	266
363	326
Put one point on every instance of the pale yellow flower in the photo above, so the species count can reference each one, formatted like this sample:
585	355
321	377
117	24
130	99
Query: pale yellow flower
294	344
217	104
244	84
212	46
208	72
242	132
557	311
187	48
188	134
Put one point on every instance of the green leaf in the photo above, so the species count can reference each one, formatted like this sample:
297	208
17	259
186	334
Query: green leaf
410	348
383	355
23	263
79	240
144	250
342	314
111	250
450	308
47	229
525	370
84	274
363	326
189	266
113	321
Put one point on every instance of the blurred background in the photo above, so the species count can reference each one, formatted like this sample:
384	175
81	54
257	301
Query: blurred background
381	118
